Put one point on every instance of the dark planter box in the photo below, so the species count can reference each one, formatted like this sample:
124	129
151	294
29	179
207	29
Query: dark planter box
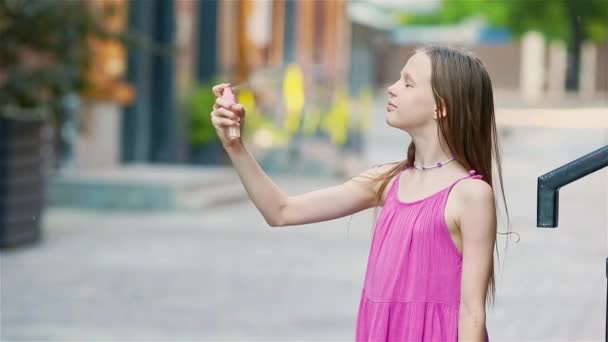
21	182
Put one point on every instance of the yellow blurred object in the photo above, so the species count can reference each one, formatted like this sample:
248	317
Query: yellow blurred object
260	130
247	99
293	92
336	122
253	119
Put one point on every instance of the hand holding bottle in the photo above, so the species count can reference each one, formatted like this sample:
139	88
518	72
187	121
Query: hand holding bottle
227	116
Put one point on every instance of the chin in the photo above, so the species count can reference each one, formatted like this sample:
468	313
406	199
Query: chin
389	122
390	117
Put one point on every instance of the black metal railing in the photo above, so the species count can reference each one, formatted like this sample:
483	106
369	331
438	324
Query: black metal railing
548	193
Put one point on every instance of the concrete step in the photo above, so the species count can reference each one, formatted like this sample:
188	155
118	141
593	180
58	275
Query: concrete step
146	187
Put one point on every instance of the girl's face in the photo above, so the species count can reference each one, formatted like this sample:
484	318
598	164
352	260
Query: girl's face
410	100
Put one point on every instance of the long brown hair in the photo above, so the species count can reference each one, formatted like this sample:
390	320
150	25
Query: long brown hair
462	87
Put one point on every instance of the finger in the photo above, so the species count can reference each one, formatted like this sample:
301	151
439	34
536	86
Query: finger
223	122
223	103
219	88
225	113
216	90
239	109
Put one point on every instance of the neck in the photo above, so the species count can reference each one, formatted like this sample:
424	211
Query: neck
429	151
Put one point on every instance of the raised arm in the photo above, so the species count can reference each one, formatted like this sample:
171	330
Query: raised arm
276	206
280	209
330	203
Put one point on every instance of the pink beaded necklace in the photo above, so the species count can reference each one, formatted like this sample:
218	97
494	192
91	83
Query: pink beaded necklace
439	164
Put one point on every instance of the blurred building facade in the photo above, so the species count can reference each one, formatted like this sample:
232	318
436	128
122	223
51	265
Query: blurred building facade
224	41
334	44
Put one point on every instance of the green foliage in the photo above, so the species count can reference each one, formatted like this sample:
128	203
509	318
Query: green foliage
198	108
551	17
452	12
44	52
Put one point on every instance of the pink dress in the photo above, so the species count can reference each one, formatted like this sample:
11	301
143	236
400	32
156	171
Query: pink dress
411	290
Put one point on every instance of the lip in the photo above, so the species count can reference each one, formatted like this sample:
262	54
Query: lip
390	107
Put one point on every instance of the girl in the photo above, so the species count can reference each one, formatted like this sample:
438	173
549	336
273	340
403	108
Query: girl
430	270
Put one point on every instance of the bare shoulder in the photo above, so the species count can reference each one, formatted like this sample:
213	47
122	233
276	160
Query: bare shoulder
473	194
368	178
378	169
474	191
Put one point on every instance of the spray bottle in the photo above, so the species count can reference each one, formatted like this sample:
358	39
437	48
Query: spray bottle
234	132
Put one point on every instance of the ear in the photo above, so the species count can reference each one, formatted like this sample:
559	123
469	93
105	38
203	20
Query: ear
437	115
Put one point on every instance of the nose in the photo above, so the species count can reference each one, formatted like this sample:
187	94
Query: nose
390	90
